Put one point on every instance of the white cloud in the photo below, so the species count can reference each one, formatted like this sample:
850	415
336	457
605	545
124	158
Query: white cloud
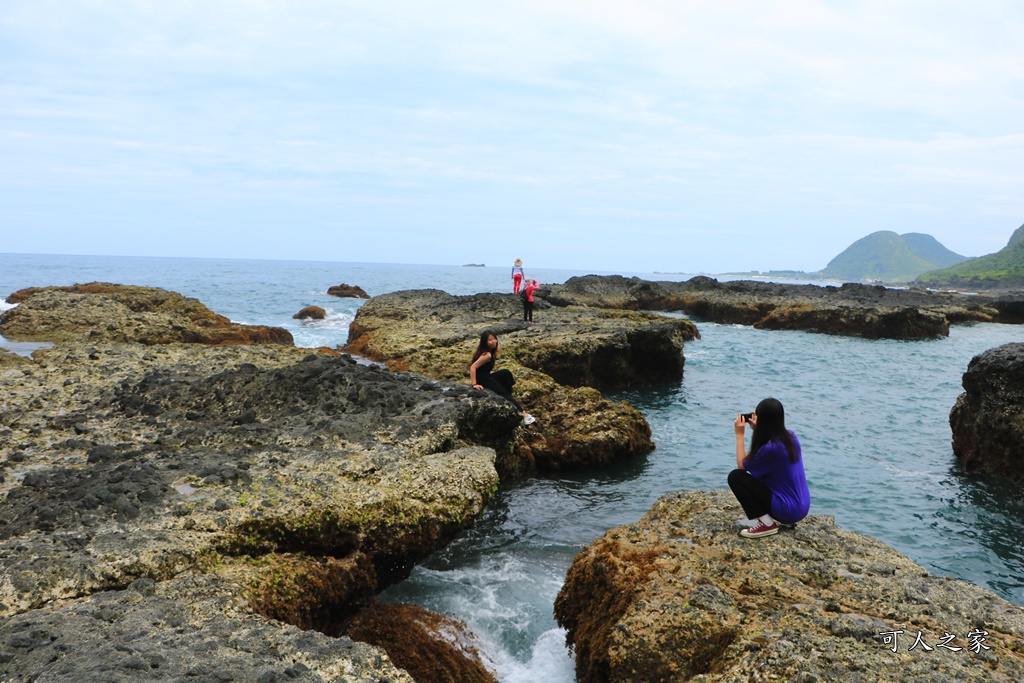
650	117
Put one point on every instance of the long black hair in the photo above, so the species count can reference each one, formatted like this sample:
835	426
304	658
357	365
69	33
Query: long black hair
771	426
482	347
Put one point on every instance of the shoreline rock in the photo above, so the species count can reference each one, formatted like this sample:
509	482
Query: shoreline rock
195	628
348	291
680	596
291	484
101	311
869	311
310	313
988	418
429	646
559	364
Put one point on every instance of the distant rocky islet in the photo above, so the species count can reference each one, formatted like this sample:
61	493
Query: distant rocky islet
155	479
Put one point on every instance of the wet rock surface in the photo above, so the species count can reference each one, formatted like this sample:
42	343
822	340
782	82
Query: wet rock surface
348	291
988	418
870	311
427	645
681	596
310	313
559	363
288	484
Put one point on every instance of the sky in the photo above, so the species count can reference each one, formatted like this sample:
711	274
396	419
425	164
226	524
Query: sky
633	136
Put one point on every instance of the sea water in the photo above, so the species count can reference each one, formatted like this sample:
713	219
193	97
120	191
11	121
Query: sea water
872	415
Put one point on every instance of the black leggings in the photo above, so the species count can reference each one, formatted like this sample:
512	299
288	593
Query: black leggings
528	311
500	382
752	493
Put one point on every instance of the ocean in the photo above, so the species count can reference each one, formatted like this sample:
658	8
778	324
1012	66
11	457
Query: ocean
872	415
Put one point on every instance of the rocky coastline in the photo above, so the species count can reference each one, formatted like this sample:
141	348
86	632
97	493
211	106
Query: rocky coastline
869	311
680	596
189	511
166	469
190	499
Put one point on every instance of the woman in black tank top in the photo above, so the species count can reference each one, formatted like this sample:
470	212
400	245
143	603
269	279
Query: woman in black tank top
500	382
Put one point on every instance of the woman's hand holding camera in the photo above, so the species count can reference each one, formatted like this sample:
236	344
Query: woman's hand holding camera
742	419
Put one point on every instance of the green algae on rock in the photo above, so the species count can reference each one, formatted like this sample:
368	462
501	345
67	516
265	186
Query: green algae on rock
291	484
681	596
101	311
558	364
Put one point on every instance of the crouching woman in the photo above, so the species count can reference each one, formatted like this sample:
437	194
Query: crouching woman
770	482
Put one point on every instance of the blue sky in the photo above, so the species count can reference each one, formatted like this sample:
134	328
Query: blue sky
642	135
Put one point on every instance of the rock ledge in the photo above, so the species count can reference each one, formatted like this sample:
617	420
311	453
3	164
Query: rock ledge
680	596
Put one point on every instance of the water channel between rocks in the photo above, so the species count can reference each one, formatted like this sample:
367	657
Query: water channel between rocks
873	420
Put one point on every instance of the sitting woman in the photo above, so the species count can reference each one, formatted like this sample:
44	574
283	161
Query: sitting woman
500	382
769	483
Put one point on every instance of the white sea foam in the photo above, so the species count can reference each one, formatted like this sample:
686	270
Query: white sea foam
332	331
550	662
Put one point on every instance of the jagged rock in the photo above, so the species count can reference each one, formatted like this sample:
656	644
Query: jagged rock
870	311
429	646
302	482
195	628
339	458
435	333
681	596
311	312
101	311
988	418
348	291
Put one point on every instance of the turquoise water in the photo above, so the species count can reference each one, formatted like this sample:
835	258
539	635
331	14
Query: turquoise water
872	417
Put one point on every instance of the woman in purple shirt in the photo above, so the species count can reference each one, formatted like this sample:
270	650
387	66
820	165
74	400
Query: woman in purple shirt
769	483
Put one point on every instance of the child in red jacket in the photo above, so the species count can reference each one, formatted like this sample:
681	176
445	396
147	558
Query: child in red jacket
531	287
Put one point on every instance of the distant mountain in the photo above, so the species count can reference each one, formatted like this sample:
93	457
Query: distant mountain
889	257
1001	270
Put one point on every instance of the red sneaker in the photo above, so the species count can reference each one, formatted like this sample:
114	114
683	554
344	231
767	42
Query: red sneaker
760	529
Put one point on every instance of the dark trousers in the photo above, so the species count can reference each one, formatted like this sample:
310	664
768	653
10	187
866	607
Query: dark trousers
528	311
500	382
752	493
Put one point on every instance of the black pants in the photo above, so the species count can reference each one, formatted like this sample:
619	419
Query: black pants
500	382
753	495
528	311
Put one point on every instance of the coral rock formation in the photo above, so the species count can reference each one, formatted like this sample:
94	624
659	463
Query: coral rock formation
680	596
169	506
557	363
101	311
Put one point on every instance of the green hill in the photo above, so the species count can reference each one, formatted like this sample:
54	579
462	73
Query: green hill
1001	270
887	256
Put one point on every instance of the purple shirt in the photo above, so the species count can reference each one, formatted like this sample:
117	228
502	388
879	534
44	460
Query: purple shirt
791	500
